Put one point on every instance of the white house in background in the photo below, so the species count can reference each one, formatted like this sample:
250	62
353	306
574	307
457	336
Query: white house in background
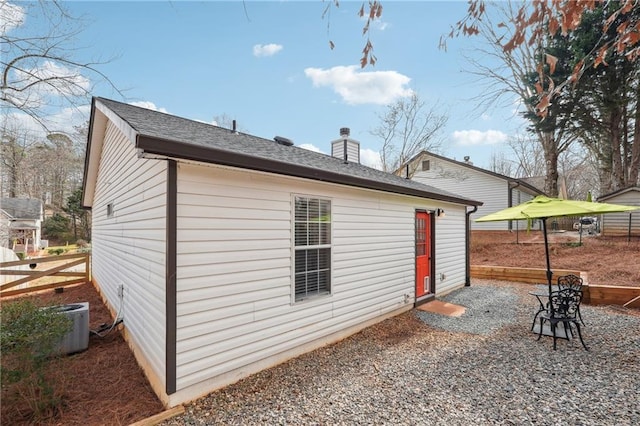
21	224
621	224
496	191
236	253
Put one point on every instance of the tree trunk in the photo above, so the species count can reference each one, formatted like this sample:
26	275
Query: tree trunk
617	170
551	163
634	164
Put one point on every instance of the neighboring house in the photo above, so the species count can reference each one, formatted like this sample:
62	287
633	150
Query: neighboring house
233	253
496	191
21	224
621	224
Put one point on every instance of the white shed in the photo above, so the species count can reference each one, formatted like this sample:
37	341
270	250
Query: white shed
622	224
232	253
496	191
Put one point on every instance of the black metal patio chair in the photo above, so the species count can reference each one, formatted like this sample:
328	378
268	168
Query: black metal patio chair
571	281
563	309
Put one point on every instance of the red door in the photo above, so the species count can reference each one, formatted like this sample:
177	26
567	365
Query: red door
423	254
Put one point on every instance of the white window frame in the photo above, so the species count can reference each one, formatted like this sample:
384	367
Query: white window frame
295	298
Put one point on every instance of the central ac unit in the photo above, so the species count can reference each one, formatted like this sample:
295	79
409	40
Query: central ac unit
77	339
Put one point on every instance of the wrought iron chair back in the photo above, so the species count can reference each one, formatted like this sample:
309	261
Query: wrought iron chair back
570	281
564	304
564	307
574	282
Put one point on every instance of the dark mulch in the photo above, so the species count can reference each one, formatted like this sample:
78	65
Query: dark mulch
101	386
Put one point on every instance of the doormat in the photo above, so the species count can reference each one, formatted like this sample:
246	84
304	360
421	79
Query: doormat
442	308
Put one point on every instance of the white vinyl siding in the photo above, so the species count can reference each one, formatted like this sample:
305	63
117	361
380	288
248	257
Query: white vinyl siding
492	190
235	267
128	247
617	224
450	249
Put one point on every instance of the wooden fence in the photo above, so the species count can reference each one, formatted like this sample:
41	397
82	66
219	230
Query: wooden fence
38	277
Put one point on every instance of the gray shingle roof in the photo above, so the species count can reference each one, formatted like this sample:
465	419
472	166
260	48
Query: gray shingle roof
22	208
164	134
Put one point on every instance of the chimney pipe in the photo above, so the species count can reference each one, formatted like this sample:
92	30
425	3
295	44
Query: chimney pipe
346	159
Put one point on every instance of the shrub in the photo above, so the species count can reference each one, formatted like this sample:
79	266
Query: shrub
56	227
30	337
57	251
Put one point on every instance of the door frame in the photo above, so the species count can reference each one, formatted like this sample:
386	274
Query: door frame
432	263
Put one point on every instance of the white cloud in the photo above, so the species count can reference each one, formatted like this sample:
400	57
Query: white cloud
148	105
261	50
361	87
477	137
62	121
11	16
370	158
67	118
310	147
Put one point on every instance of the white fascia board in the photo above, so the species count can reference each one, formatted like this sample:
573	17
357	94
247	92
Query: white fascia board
102	114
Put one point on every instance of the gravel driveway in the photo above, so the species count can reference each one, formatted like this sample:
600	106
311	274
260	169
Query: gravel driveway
419	368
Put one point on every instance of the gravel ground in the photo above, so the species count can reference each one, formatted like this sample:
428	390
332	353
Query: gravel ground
483	368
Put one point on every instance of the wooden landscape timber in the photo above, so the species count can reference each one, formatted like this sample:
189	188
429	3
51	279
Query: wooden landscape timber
523	275
629	297
626	296
160	417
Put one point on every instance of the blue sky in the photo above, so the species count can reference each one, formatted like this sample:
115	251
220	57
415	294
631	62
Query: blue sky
269	66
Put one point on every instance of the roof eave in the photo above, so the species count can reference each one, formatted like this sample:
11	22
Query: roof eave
153	147
100	115
472	167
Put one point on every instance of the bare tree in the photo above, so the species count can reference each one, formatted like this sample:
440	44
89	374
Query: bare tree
499	163
39	68
578	168
533	21
515	76
407	127
529	156
14	146
47	168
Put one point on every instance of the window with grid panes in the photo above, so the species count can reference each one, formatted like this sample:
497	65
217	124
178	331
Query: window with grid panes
312	241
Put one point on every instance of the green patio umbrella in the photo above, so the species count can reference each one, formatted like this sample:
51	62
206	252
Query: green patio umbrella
543	208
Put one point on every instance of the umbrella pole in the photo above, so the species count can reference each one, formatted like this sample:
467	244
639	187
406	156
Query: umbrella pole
546	252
